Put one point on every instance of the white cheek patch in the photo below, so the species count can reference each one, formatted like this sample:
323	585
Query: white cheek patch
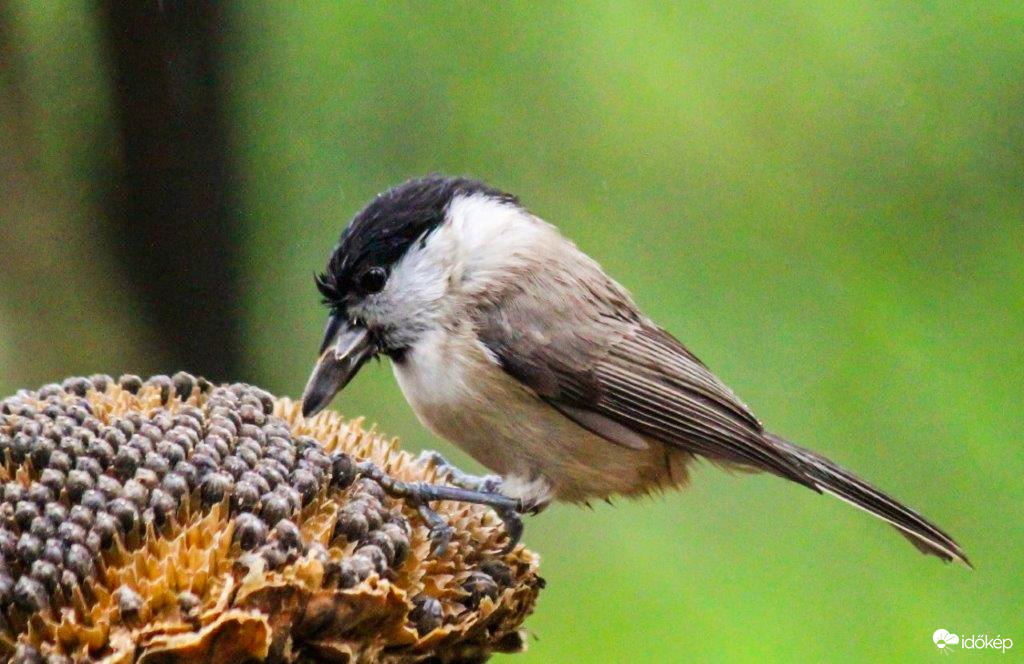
479	242
489	233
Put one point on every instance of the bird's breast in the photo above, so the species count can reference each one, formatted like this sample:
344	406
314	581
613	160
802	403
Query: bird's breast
462	395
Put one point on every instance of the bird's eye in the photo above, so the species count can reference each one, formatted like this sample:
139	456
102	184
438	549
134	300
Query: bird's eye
373	280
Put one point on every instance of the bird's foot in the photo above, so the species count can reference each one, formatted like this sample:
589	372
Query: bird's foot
458	477
422	494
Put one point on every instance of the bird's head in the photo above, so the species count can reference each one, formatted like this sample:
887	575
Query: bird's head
389	278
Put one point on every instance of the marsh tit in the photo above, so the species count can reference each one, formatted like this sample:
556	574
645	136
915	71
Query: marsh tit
516	346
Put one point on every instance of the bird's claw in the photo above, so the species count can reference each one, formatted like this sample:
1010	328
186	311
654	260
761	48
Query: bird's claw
513	527
467	488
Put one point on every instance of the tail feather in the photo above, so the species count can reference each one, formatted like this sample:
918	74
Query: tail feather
827	477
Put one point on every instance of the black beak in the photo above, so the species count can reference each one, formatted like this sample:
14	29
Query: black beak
346	347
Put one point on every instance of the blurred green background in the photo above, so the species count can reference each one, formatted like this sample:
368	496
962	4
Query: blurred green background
824	201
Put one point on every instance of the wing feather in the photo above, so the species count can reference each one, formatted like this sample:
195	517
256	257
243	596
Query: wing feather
598	357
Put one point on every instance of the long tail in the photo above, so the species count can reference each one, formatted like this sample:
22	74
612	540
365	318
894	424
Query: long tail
830	478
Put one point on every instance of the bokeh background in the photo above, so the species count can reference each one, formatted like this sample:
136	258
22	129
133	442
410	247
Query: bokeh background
825	201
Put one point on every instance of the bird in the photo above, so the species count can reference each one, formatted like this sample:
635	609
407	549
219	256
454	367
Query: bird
512	343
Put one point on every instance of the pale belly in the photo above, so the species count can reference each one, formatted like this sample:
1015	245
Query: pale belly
541	454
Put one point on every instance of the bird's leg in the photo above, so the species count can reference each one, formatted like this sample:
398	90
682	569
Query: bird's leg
458	477
422	494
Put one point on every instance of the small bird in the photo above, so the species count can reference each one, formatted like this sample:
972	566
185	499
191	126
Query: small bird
510	342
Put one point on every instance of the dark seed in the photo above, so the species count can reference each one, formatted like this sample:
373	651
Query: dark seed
275	508
100	382
126	427
305	484
371	509
6	589
89	465
72	446
204	464
135	493
164	383
24	512
163	505
189	472
157	463
60	461
380	541
53	551
41	450
188	604
13	492
147	478
81	515
351	523
78	482
53	480
427	613
42	528
8	544
71	533
79	560
183	384
360	567
125	512
214	487
288	534
269	473
176	486
250	531
30	595
39	494
46	573
127	460
172	451
274	555
102	450
368	486
256	480
56	513
109	487
151	432
399	542
234	465
105	527
252	414
76	385
130	383
30	547
129	602
246	497
374	554
477	586
94	500
68	582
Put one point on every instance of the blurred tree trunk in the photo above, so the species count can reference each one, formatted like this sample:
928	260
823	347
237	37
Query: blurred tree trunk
171	223
63	307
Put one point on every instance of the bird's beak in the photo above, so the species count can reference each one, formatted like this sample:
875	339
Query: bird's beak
345	348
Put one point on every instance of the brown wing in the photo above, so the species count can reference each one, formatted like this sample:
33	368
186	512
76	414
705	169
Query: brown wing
588	351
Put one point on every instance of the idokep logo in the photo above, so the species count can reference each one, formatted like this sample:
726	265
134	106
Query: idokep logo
945	641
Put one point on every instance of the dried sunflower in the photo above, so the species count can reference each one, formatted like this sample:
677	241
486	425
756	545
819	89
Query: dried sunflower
171	520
